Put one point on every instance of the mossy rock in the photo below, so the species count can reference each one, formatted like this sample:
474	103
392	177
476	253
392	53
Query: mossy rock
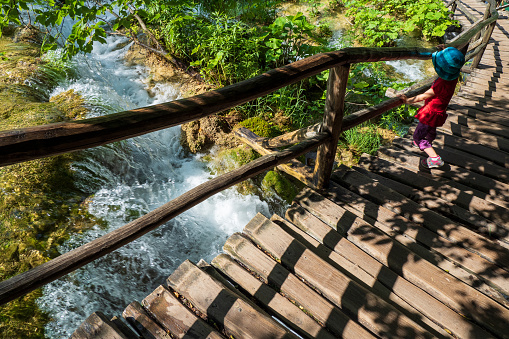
277	182
260	127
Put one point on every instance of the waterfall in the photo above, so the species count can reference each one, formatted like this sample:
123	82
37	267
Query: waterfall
131	178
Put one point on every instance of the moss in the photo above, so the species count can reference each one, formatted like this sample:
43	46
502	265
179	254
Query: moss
40	206
260	127
227	160
280	184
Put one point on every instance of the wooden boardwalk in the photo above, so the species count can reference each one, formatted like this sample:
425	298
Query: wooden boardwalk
388	251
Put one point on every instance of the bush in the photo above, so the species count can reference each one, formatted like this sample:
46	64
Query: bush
379	22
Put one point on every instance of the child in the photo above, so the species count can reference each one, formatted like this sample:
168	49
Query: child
447	63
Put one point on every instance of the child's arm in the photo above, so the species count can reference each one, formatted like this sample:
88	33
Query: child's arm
421	97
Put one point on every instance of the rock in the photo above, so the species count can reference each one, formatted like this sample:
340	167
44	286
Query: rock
28	34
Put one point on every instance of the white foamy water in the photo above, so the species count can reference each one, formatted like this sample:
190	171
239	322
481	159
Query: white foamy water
409	70
131	178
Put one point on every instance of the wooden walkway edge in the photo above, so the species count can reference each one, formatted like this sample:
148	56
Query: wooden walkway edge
389	250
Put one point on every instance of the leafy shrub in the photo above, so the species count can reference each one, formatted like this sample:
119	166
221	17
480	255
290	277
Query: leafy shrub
381	21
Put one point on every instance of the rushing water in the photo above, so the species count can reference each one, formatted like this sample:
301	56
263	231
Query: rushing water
130	179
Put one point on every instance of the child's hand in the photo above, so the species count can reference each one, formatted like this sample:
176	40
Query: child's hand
403	97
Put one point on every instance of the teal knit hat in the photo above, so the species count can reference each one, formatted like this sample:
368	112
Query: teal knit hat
448	63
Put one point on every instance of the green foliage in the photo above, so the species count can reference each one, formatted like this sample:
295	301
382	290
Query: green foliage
362	139
49	16
380	22
288	39
225	50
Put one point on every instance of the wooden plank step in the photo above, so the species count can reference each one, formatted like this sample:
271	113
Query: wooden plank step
488	140
492	78
387	174
435	222
457	261
485	74
176	318
494	118
210	297
97	325
498	157
276	275
139	319
500	97
481	99
489	83
286	311
418	239
474	201
423	302
420	272
467	103
372	311
460	159
498	191
353	268
498	232
478	125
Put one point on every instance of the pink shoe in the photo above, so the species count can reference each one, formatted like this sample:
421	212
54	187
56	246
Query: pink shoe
432	162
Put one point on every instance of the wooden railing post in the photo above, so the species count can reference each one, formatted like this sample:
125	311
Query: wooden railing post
487	33
333	118
453	9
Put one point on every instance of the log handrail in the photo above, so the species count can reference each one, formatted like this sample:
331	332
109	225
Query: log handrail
41	141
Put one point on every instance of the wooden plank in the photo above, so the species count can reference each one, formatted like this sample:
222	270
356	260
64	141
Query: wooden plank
460	159
424	303
474	201
459	130
422	273
481	99
67	262
369	166
470	147
289	313
238	316
498	119
494	190
332	122
497	97
291	138
437	223
276	275
487	84
389	222
491	129
373	312
138	317
97	325
176	318
414	237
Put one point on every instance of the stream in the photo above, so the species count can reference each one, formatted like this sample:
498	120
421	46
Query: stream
132	178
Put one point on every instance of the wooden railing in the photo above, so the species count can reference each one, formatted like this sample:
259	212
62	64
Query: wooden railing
42	141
